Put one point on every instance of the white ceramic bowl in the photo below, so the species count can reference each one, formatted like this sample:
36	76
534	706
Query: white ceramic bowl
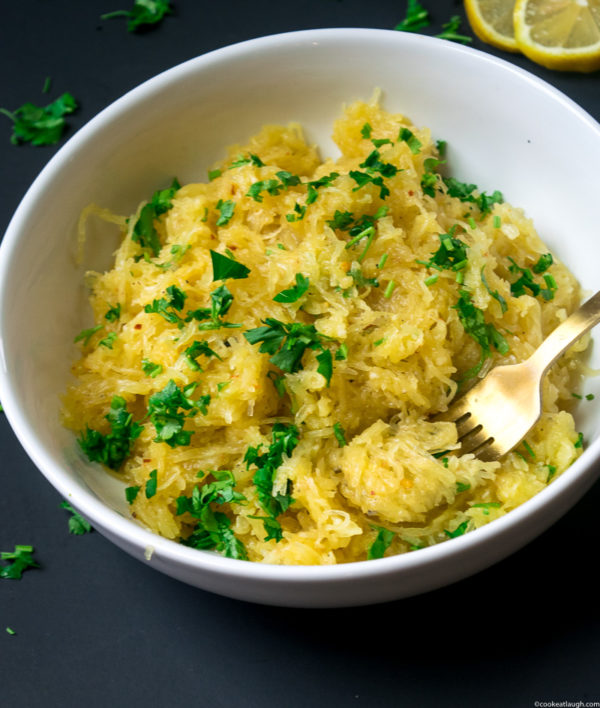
505	129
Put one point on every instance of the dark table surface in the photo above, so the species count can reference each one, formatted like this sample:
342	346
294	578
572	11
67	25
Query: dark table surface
95	627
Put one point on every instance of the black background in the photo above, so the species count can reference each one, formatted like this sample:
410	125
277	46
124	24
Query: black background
96	628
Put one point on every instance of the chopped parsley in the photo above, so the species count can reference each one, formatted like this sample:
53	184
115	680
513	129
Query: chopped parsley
221	300
108	341
272	186
111	449
169	307
195	350
151	484
113	313
144	231
19	561
226	209
249	159
464	192
358	229
87	334
288	342
143	13
551	472
285	439
494	293
451	255
40	125
579	442
342	353
381	543
484	333
315	185
224	267
360	280
213	528
429	178
340	434
297	214
416	18
450	31
131	493
461	486
526	281
406	135
366	130
364	178
294	293
458	531
77	524
486	506
168	409
151	369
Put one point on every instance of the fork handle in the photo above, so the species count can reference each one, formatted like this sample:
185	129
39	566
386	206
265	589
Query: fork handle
567	333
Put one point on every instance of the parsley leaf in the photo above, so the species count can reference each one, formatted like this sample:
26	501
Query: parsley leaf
340	434
87	334
213	528
407	136
20	560
226	209
221	300
381	543
464	192
429	178
495	294
272	186
164	412
458	531
144	231
484	333
285	438
527	280
40	125
364	178
287	342
151	484
113	313
195	350
151	369
77	524
168	308
143	12
416	18
111	449
316	184
295	292
224	267
249	159
131	493
451	255
366	130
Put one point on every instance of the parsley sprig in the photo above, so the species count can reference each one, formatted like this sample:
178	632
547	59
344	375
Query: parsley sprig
464	192
168	409
143	13
113	448
77	524
213	528
417	18
285	439
527	281
19	561
40	125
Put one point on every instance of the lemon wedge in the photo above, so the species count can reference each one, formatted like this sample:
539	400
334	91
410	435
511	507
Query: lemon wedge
559	34
492	22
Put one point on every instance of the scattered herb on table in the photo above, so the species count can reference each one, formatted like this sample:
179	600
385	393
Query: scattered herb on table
450	31
19	561
77	524
143	13
417	18
40	125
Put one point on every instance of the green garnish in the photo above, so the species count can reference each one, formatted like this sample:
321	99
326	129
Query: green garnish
389	289
144	231
278	381
87	334
429	178
342	353
315	185
325	367
287	342
40	125
249	159
494	293
151	484
458	531
168	308
544	262
47	84
366	130
285	439
363	178
382	261
294	293
484	333
529	449
131	493
108	340
221	300
450	31
342	220
213	528
224	267
10	631
111	449
272	186
358	229
551	472
113	313
151	369
298	214
77	524
213	174
359	279
527	281
451	255
464	192
195	350
442	146
579	442
462	486
340	434
416	18
381	543
486	506
164	412
411	140
226	209
20	560
143	12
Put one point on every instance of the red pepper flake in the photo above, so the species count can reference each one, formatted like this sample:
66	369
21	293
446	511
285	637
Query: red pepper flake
137	326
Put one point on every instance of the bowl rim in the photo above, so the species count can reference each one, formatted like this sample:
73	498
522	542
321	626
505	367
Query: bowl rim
113	523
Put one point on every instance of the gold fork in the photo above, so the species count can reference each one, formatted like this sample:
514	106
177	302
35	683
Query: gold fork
497	413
